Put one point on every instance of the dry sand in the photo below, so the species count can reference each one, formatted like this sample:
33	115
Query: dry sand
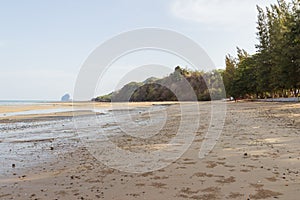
256	157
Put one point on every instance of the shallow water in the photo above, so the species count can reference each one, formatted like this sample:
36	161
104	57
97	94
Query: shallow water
27	144
23	102
35	112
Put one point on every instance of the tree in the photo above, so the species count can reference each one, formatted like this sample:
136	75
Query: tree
264	64
228	74
291	52
275	68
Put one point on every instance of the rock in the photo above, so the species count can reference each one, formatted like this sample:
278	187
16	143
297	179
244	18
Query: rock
66	97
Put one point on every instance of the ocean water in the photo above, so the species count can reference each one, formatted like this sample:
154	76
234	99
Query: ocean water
35	112
30	112
23	102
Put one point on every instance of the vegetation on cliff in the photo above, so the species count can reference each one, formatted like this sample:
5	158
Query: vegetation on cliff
182	84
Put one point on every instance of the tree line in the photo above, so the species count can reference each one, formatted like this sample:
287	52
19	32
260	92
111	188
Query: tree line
274	70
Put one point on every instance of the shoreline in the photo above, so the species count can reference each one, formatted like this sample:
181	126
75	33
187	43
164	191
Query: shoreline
63	110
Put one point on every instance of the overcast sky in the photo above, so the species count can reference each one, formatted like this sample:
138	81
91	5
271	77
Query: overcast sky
44	43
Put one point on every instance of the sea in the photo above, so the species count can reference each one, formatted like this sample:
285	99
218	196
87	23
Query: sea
30	112
24	102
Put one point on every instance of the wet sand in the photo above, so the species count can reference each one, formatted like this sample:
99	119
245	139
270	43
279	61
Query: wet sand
256	157
35	112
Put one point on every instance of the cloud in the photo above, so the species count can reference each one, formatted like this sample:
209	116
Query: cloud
221	12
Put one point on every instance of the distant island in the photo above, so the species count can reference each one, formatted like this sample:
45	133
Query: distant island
65	98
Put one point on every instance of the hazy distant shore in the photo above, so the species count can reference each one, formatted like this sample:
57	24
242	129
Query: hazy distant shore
256	157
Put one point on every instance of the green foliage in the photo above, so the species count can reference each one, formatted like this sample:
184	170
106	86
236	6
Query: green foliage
275	69
182	84
104	98
229	75
153	92
125	93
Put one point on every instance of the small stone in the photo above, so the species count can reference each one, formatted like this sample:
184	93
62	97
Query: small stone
245	154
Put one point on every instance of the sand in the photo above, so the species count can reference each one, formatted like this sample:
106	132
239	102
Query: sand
256	157
70	108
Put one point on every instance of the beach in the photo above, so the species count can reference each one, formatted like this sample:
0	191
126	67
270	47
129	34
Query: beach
52	154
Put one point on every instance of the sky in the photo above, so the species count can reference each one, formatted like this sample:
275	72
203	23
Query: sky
43	44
